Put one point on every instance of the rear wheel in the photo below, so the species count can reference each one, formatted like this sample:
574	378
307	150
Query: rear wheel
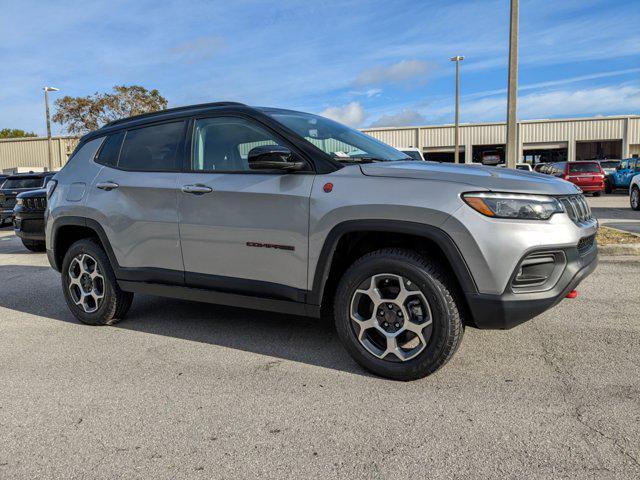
634	198
90	287
597	194
34	245
396	314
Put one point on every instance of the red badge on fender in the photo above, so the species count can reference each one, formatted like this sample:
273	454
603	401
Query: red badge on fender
328	187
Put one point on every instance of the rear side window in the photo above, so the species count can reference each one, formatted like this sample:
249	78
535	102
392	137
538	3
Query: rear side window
155	148
108	154
584	168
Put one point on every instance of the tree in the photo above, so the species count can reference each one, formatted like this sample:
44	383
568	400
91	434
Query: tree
82	114
15	133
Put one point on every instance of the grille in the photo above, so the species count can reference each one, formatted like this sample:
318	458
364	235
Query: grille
585	244
35	203
577	208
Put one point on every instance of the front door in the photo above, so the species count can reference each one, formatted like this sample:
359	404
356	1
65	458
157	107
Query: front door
241	230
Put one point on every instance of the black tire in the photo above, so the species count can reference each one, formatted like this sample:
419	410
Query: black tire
634	198
437	287
115	303
607	188
34	245
597	194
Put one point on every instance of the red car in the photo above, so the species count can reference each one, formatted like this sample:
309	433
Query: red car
589	176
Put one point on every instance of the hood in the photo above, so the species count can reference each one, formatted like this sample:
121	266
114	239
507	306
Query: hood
39	193
476	176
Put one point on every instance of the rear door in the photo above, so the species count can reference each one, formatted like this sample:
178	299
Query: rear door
134	198
242	230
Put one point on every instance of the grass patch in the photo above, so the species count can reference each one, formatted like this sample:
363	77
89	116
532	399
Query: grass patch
609	236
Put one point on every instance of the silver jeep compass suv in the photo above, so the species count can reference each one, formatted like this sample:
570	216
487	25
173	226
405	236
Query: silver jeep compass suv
290	212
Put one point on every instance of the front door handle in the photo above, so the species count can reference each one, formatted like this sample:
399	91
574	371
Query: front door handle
197	189
107	186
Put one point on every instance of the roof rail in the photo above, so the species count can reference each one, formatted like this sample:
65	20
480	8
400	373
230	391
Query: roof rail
172	110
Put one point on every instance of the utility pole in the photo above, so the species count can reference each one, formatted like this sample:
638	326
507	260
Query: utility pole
46	102
512	90
456	154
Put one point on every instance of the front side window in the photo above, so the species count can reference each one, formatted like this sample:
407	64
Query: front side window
222	144
153	149
344	144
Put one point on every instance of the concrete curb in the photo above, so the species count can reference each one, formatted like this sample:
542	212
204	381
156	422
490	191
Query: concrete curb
620	249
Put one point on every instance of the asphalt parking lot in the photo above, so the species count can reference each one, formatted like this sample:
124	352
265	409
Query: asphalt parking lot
187	390
614	211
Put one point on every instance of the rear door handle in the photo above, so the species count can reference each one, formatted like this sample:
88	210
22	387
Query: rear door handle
107	186
197	189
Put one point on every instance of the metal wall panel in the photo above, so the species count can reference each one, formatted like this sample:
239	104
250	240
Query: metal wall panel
32	152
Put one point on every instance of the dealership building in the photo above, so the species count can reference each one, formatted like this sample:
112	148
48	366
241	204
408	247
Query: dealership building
538	140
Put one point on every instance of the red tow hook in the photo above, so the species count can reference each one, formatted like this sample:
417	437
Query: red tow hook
572	294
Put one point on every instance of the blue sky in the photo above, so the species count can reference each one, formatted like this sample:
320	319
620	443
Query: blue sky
366	63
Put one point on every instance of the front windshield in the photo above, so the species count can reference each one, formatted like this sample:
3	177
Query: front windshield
341	142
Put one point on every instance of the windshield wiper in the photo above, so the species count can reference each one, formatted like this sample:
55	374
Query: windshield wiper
358	159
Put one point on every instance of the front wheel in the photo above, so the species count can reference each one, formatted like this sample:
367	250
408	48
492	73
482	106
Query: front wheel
395	312
90	287
634	198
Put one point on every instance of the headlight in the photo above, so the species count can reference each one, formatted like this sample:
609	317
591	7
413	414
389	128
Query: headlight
19	201
51	186
513	205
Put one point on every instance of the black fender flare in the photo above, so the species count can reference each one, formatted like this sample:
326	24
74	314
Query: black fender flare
429	232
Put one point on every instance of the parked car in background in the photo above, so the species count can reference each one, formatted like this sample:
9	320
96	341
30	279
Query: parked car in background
262	212
490	157
587	175
538	167
621	177
609	166
519	166
413	152
28	222
2	179
16	184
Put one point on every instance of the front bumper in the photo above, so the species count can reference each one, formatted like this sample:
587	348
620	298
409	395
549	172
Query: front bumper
511	309
29	225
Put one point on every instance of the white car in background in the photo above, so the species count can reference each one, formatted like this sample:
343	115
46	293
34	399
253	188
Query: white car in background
413	152
634	192
519	166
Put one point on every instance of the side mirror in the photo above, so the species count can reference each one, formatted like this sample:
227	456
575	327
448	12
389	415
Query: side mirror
273	157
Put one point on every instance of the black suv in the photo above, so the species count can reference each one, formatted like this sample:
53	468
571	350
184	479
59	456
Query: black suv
15	184
29	219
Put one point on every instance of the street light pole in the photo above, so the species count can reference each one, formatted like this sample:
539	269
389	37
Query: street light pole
512	91
46	102
456	154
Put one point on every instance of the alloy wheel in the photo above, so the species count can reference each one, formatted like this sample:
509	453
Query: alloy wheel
391	317
86	282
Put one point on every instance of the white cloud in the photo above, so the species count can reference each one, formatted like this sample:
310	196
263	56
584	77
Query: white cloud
351	114
403	118
403	71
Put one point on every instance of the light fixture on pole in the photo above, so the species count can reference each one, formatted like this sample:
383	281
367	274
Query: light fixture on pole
46	102
456	154
512	90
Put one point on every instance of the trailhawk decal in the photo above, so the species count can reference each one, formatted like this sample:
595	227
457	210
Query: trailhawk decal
271	245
